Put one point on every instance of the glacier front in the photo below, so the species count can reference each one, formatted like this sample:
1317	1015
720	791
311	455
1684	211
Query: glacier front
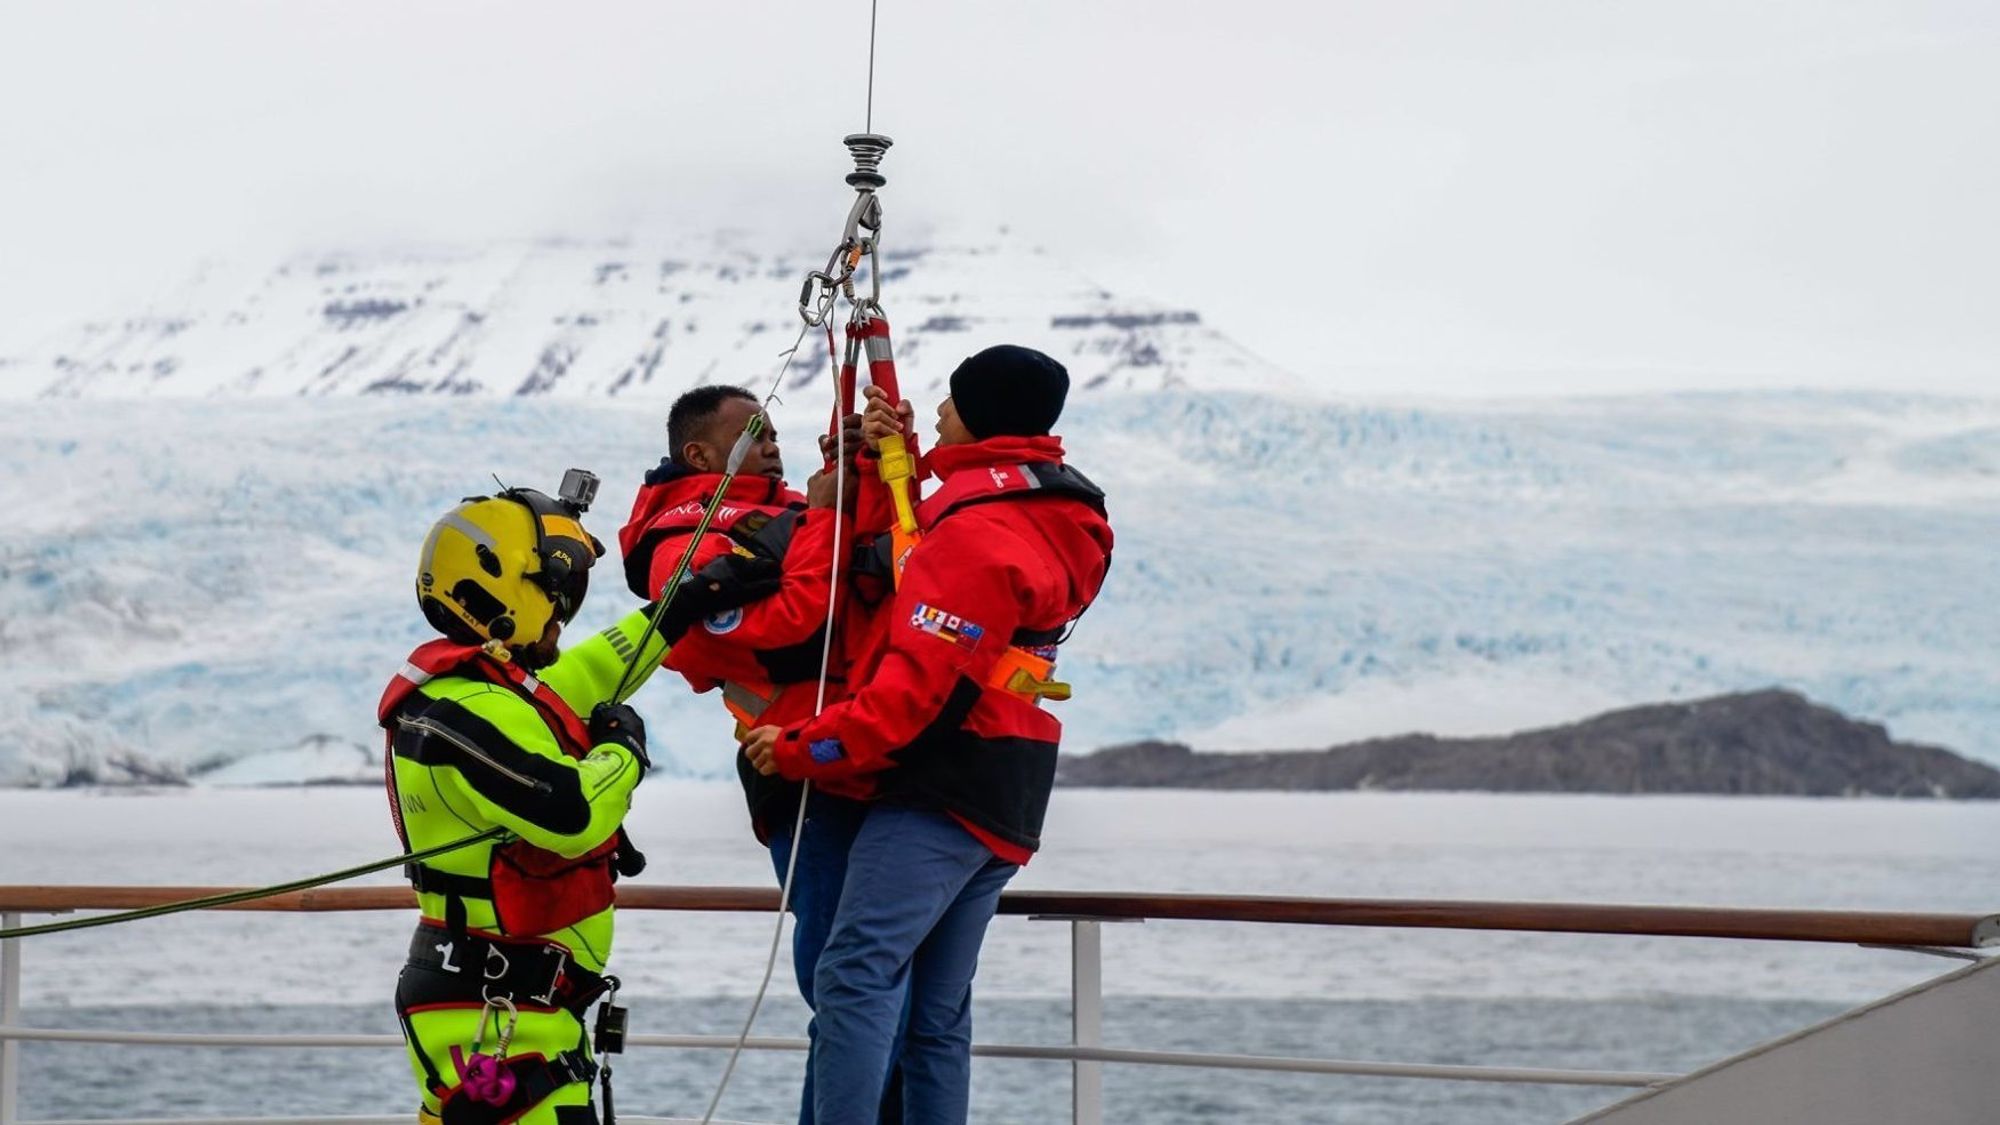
221	586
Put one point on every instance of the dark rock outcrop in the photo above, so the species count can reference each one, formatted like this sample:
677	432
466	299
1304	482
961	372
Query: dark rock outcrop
1766	742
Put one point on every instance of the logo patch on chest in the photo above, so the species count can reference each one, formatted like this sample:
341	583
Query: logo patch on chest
947	627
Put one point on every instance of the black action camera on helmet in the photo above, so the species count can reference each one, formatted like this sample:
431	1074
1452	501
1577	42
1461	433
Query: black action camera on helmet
579	488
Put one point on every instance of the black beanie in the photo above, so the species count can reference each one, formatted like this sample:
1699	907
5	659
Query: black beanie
1009	390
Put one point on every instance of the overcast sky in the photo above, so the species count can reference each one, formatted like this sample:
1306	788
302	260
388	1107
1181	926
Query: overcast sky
1392	195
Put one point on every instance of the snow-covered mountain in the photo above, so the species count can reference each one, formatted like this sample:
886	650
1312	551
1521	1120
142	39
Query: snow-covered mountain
198	568
588	320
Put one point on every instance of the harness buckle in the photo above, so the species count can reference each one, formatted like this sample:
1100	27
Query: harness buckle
1022	673
548	995
1023	682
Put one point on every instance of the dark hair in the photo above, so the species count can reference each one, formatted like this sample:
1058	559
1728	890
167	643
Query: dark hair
693	411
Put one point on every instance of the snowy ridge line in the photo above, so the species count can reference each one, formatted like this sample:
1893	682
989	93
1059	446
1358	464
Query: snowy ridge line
594	320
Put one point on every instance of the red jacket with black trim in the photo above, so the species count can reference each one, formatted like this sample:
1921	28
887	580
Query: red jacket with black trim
766	656
1003	558
763	640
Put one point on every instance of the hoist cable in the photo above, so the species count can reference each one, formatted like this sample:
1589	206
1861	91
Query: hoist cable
869	127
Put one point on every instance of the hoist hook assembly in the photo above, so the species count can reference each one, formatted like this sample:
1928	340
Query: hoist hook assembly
858	237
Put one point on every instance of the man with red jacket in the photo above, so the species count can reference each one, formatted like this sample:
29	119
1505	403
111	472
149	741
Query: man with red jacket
949	721
766	656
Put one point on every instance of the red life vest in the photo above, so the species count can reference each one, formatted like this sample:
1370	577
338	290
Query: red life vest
1027	667
984	758
533	890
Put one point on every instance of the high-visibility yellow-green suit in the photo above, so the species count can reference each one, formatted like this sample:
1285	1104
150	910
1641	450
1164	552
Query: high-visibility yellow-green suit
473	743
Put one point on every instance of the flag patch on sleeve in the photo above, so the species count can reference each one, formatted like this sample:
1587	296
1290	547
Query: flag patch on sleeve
947	627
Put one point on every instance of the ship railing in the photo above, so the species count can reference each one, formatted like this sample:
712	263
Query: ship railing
1085	912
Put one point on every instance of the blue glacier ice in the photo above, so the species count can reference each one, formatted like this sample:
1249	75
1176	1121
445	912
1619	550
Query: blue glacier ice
187	583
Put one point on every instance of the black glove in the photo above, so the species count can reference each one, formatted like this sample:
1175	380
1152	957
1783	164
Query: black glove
729	582
628	861
617	723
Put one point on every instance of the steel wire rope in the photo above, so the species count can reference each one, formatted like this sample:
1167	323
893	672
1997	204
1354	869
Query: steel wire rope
826	648
868	125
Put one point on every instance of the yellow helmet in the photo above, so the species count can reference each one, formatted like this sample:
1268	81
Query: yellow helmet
497	568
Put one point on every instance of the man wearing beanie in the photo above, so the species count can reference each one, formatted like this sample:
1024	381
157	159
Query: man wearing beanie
952	722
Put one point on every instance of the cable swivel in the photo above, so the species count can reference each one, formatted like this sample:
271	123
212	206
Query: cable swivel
867	150
823	287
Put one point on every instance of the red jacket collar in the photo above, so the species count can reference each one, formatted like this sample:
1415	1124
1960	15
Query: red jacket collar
942	461
669	486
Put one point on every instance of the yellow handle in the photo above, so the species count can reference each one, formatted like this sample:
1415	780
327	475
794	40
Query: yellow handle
897	468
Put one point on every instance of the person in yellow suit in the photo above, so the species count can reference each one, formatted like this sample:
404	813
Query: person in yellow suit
485	730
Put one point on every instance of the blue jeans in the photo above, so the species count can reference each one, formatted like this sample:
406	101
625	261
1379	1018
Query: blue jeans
831	823
919	892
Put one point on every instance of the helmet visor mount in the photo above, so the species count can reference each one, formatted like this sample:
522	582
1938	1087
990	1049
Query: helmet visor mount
563	548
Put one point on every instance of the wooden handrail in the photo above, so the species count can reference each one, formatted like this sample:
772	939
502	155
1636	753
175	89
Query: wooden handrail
1964	931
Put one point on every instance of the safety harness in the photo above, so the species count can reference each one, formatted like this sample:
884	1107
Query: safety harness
1027	668
533	890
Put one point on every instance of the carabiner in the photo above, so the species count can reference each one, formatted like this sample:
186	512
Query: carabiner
866	214
493	1004
816	297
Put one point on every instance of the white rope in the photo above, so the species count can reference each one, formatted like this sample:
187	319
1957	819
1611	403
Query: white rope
819	706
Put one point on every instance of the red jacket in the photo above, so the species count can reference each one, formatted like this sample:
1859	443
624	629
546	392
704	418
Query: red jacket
1015	547
775	639
765	657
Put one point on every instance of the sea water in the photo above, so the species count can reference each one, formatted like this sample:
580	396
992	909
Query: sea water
1648	1004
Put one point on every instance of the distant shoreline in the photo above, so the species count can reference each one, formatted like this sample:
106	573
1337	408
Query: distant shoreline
1762	744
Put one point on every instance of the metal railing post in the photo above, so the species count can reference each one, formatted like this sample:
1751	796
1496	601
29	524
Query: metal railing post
1086	1005
10	1014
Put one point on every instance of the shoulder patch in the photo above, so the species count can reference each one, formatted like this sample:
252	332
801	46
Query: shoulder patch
947	627
724	622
